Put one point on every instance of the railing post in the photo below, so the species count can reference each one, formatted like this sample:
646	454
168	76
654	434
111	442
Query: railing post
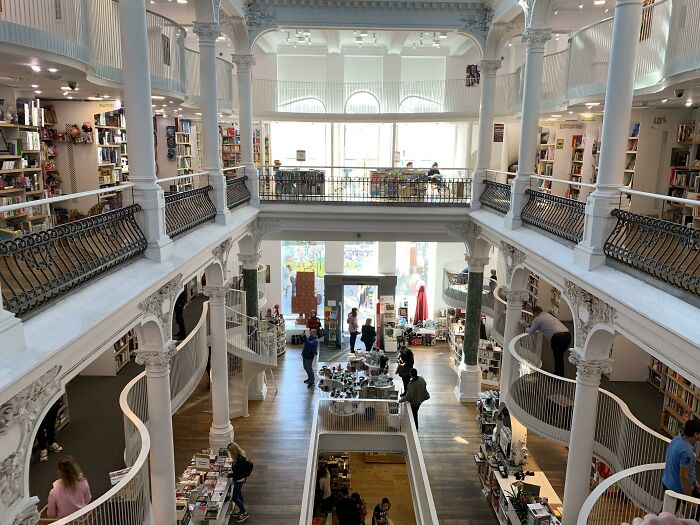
136	78
208	32
160	426
11	330
514	312
221	431
583	426
598	224
483	154
244	64
536	39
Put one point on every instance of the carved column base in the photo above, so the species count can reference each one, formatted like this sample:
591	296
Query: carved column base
469	385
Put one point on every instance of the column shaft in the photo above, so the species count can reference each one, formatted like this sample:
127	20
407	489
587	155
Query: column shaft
136	78
534	59
250	285
616	127
514	312
244	63
472	321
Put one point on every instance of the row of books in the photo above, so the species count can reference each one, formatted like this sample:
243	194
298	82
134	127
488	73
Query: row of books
685	177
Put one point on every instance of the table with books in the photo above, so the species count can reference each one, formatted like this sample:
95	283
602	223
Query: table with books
202	488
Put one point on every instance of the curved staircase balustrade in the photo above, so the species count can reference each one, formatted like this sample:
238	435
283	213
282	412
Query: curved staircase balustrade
544	403
250	338
454	292
128	502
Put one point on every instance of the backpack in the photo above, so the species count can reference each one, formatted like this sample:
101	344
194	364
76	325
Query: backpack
245	467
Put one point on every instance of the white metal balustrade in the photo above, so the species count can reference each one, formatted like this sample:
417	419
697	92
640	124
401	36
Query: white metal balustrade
128	502
224	82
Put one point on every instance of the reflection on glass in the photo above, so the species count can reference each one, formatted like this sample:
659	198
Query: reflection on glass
413	263
361	258
301	256
364	298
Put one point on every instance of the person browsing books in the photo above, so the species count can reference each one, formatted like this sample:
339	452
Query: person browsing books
553	329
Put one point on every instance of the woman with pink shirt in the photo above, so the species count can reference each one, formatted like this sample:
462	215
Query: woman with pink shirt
70	491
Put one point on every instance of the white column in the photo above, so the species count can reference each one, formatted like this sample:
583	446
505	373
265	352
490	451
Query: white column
583	425
244	64
483	154
221	431
136	78
514	312
208	32
534	59
616	122
160	427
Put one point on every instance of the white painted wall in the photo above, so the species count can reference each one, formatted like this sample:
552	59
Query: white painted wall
416	68
301	68
265	65
363	69
630	361
271	253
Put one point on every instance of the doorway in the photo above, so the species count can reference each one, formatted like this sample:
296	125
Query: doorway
364	298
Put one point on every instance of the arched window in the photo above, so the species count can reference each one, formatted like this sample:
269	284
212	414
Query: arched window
415	104
304	105
362	103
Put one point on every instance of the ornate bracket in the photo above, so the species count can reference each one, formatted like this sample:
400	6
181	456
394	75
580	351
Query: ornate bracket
23	411
153	305
490	67
260	228
207	31
588	312
477	24
221	253
258	18
469	232
513	258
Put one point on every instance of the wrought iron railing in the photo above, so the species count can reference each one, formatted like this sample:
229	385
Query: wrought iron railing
316	186
186	209
665	250
39	267
557	215
496	196
236	191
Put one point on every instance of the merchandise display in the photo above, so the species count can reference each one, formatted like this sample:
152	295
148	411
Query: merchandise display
354	380
490	356
202	488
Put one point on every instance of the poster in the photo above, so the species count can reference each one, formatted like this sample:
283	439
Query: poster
301	155
560	143
498	130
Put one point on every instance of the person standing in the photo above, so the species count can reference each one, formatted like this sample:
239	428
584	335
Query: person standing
379	516
324	485
679	472
558	335
308	352
406	362
241	468
353	328
346	509
179	312
369	334
47	433
361	507
416	394
314	323
70	491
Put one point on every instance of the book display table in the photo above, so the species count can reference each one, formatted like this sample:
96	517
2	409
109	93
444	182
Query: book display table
202	488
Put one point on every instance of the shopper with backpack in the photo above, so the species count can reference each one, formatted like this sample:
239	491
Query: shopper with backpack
241	467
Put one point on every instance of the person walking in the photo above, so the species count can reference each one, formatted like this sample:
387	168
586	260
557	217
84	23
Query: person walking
369	334
70	492
314	323
379	516
353	328
308	352
241	468
558	335
47	433
346	509
416	394
679	471
361	507
406	362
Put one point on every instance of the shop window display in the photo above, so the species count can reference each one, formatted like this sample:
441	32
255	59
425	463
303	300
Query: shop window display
361	258
414	261
301	256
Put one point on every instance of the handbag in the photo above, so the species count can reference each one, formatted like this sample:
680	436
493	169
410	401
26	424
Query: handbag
321	333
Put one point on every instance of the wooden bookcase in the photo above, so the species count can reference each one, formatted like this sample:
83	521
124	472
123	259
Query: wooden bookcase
114	359
631	155
577	148
684	177
112	153
183	155
681	397
545	158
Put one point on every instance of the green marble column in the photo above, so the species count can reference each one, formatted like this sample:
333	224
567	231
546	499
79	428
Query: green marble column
250	285
472	322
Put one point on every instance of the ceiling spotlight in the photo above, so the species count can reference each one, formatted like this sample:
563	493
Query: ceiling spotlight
580	6
157	97
363	32
36	69
105	96
688	102
443	35
606	9
664	100
53	70
34	86
65	93
69	98
571	112
170	101
37	91
556	11
510	44
164	105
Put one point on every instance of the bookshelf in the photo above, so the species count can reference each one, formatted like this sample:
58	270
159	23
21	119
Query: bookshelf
389	322
455	338
183	155
555	299
230	146
596	161
684	177
63	414
545	158
115	358
681	397
112	153
490	355
631	155
577	147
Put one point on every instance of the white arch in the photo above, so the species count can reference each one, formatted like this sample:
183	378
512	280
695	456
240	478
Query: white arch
303	105
362	102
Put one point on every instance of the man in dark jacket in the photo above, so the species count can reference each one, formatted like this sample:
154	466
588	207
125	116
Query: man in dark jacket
346	509
307	354
415	394
406	362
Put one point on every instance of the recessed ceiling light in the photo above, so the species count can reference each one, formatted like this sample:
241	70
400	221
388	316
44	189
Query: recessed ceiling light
221	37
510	44
198	113
580	6
53	70
69	98
443	35
606	9
95	98
65	93
34	86
68	88
664	100
164	105
598	2
571	112
689	102
590	104
181	1
170	101
37	91
556	116
157	97
36	69
363	32
105	96
556	11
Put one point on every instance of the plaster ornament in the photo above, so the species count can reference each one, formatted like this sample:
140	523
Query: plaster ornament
222	251
536	38
207	31
260	228
154	303
155	361
513	258
259	17
589	311
588	371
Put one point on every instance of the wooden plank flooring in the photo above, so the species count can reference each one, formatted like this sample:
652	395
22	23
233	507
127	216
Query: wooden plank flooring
277	433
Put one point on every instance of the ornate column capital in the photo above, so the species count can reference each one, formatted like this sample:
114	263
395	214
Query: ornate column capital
588	312
207	31
516	298
157	361
243	62
588	371
154	304
249	261
489	67
513	258
221	252
476	264
536	38
258	18
216	293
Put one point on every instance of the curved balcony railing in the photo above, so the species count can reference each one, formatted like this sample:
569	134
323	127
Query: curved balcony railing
87	31
186	209
236	190
496	196
247	337
544	403
224	81
609	503
556	215
128	502
454	286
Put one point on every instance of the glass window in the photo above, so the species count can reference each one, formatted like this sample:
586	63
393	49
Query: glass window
302	256
363	103
414	261
288	137
366	144
425	143
361	258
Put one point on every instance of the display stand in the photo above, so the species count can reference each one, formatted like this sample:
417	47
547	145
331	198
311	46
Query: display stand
388	322
202	488
334	335
490	356
455	338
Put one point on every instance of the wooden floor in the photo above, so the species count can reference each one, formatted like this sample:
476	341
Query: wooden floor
276	437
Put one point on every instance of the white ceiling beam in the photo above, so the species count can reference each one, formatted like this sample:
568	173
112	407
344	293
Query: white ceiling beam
397	42
332	40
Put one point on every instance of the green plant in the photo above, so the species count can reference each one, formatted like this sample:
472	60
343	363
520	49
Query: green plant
519	501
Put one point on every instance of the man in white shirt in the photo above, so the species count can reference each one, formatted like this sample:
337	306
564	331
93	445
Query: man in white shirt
558	335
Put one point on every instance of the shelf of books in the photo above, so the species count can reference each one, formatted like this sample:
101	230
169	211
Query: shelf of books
681	397
230	146
684	178
114	359
631	155
183	155
545	158
490	355
112	155
577	147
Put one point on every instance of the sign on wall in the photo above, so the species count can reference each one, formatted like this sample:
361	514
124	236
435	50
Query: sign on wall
498	131
301	155
560	143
